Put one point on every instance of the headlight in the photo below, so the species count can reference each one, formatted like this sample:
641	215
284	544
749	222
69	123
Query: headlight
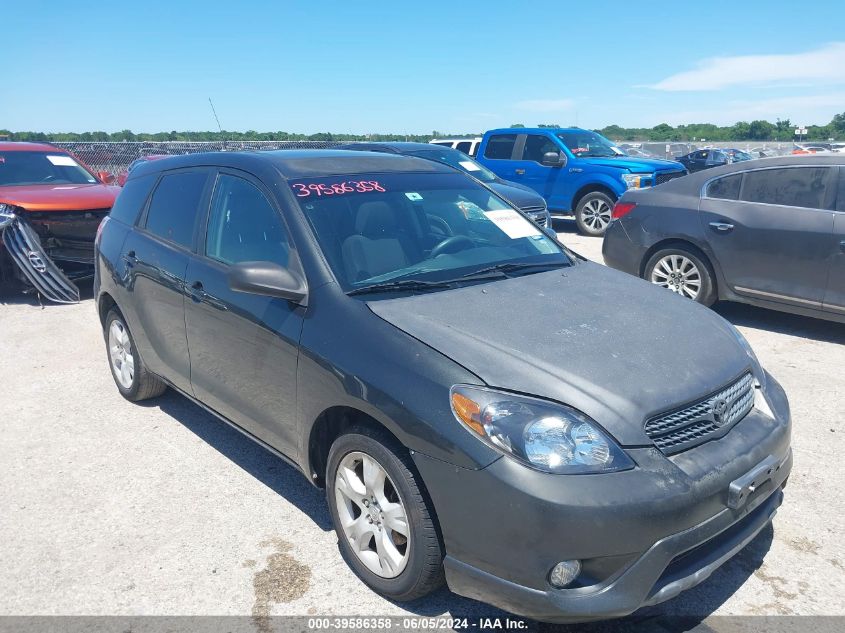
755	362
6	214
543	435
638	181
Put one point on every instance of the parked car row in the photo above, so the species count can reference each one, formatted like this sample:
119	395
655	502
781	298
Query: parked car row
413	344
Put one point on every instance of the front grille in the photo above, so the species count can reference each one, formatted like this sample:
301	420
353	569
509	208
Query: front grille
666	176
703	420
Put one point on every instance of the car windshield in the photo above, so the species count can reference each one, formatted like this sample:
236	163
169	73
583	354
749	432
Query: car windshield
42	168
430	228
458	160
586	144
739	155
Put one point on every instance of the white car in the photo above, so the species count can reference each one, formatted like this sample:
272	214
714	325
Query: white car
468	146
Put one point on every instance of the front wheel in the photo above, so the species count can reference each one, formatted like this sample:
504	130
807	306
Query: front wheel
593	213
386	530
684	272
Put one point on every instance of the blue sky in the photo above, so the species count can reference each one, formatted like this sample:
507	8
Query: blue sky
415	67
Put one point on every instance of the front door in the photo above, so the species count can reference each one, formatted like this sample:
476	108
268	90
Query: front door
243	346
772	232
553	183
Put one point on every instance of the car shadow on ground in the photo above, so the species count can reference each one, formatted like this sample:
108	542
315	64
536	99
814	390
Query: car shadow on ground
781	322
679	614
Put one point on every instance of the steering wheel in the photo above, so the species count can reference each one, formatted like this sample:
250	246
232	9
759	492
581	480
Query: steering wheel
441	224
451	244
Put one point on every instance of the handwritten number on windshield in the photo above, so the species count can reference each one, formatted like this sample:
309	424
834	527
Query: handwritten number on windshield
303	190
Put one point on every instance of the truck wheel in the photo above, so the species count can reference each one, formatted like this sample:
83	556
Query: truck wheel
386	530
592	213
131	376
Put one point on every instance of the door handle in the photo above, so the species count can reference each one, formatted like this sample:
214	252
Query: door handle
842	246
130	258
199	295
519	172
721	227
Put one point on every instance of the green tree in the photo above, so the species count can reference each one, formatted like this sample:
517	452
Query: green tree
761	130
517	125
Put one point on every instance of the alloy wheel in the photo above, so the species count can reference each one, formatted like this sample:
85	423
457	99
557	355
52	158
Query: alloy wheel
120	353
679	274
596	214
372	515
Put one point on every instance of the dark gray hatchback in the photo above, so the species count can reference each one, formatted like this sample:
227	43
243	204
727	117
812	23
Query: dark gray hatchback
768	232
363	316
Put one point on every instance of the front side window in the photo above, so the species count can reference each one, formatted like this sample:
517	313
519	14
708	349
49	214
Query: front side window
536	145
174	207
792	187
243	225
379	228
458	160
42	168
725	188
500	146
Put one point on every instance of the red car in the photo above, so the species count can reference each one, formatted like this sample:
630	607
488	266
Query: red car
50	208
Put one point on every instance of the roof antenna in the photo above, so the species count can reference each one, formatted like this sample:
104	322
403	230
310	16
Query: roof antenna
214	112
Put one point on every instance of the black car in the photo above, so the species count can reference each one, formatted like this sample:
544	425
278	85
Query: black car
768	232
704	159
362	315
524	198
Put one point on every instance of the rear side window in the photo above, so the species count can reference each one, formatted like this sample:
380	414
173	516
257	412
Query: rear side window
131	200
500	146
726	188
464	146
792	187
174	206
243	225
536	145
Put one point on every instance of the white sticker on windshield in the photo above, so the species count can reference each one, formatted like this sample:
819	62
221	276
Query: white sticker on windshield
62	161
512	224
469	165
413	196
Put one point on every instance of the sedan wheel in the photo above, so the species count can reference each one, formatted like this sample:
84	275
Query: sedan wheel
679	274
372	515
120	353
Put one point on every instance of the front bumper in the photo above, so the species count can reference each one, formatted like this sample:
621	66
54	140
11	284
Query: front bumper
642	535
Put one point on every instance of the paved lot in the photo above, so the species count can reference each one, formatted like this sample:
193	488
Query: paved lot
112	508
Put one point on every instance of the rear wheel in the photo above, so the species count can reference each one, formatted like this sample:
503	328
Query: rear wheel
131	376
593	213
386	530
682	271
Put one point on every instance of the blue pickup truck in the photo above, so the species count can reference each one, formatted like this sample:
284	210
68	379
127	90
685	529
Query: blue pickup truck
577	171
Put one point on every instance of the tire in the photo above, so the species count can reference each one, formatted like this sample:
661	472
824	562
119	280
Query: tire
420	570
593	213
131	376
684	271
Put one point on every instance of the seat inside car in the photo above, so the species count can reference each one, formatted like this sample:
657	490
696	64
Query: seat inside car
380	242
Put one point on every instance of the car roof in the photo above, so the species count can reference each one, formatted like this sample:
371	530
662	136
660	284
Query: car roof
534	130
295	163
25	146
397	147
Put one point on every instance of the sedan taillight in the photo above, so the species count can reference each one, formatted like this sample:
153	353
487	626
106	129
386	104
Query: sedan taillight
622	208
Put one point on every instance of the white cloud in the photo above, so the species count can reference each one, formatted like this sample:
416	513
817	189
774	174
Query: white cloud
825	65
545	105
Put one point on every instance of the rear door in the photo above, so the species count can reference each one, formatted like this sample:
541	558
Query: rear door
771	231
243	346
498	155
834	299
155	256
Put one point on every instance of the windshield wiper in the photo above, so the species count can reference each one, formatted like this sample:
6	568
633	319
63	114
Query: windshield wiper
507	267
404	284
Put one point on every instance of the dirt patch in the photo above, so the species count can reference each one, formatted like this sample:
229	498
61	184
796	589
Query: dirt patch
284	579
803	544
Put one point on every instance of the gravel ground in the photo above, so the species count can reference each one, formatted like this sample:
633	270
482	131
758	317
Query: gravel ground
160	509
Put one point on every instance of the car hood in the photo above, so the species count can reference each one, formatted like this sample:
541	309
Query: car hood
521	196
615	347
637	165
60	197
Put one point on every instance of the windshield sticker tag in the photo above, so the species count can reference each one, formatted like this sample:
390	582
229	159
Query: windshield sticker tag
469	165
413	196
62	161
512	224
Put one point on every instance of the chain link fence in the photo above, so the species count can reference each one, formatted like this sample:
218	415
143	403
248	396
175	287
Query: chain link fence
116	156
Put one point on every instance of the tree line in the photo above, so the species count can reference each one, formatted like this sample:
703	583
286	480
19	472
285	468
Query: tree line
759	130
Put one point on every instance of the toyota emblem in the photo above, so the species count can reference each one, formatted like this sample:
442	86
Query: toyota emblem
719	408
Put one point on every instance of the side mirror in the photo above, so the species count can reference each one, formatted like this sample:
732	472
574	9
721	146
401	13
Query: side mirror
268	279
106	177
554	159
